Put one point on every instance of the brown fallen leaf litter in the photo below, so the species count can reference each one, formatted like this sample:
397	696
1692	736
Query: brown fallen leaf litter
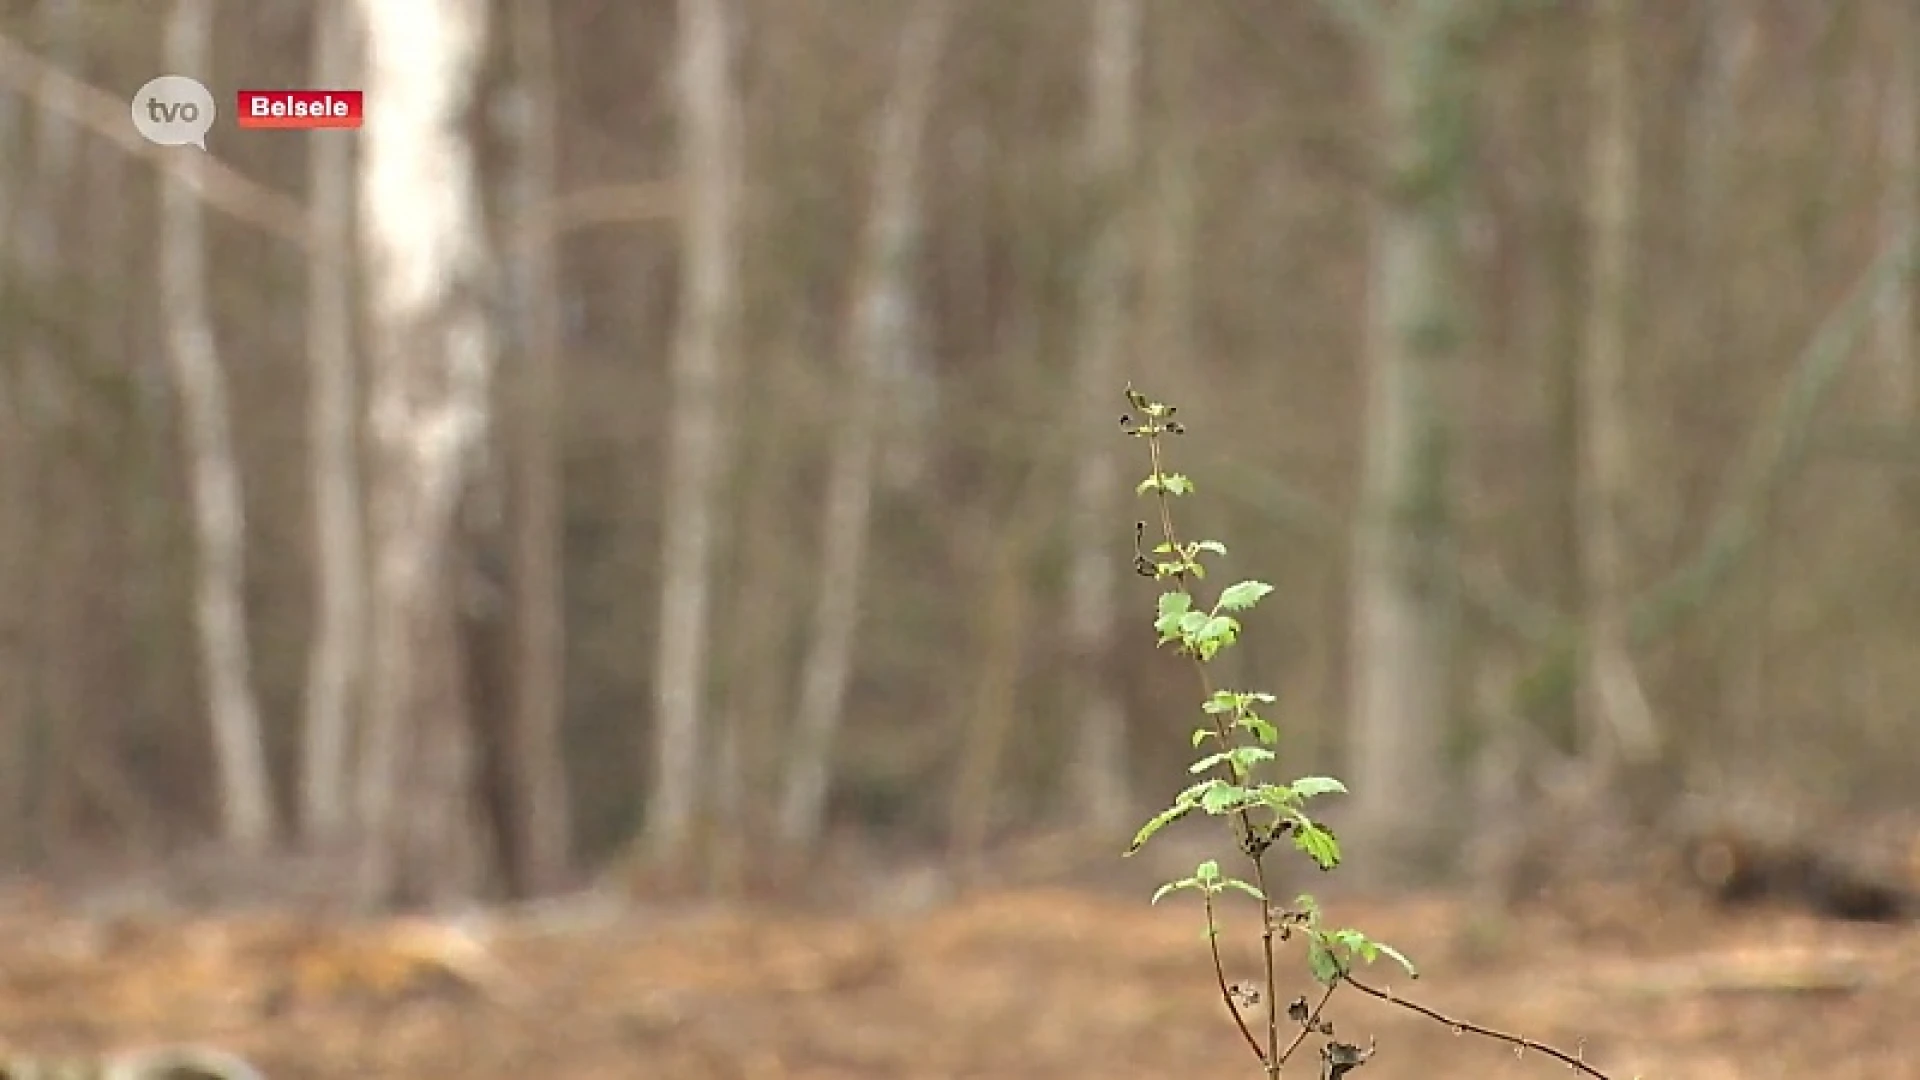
1017	984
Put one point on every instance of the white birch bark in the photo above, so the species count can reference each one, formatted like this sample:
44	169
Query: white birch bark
338	660
246	793
428	409
882	317
1098	767
697	451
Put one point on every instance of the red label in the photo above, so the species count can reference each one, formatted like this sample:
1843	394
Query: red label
299	109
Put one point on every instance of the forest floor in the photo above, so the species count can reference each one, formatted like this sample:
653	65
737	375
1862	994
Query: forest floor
1044	982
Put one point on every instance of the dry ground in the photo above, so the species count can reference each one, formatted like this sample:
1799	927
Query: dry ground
1017	984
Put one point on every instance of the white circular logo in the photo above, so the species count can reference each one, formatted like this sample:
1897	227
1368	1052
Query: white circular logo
174	110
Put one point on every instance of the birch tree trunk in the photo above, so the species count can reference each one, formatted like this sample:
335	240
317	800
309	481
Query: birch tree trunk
428	411
337	662
711	167
882	318
542	816
1616	719
1099	765
1401	590
246	790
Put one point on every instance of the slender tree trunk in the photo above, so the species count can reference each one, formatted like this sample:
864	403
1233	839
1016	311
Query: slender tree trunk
18	539
1616	720
542	816
1401	591
883	312
338	660
246	789
1900	207
54	729
428	411
697	452
1099	762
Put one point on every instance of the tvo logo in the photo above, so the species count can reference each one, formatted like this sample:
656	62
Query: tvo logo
174	110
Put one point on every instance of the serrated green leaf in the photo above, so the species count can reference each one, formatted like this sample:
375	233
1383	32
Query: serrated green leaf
1207	872
1159	821
1222	701
1262	697
1326	967
1308	786
1214	546
1248	756
1261	730
1175	602
1177	484
1318	844
1218	628
1223	798
1202	734
1241	596
1192	621
1250	890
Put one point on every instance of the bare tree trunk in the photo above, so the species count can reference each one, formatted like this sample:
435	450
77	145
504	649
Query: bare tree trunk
246	789
337	661
540	796
883	313
54	730
1099	763
18	532
712	155
1616	720
1900	207
1401	591
428	410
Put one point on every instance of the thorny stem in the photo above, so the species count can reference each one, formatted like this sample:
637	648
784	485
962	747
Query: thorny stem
1518	1042
1226	992
1269	1058
1273	1058
1312	1022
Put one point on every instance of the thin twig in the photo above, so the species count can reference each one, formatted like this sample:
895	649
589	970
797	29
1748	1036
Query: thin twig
1220	976
1519	1042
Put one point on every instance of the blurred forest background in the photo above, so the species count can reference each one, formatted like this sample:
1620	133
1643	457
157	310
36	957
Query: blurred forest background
746	486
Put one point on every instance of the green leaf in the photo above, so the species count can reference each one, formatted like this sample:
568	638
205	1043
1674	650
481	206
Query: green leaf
1210	761
1218	628
1244	595
1174	603
1214	546
1308	786
1191	622
1202	734
1159	821
1151	483
1223	798
1160	893
1250	890
1177	484
1261	696
1222	701
1207	872
1326	967
1412	972
1262	730
1248	756
1318	844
